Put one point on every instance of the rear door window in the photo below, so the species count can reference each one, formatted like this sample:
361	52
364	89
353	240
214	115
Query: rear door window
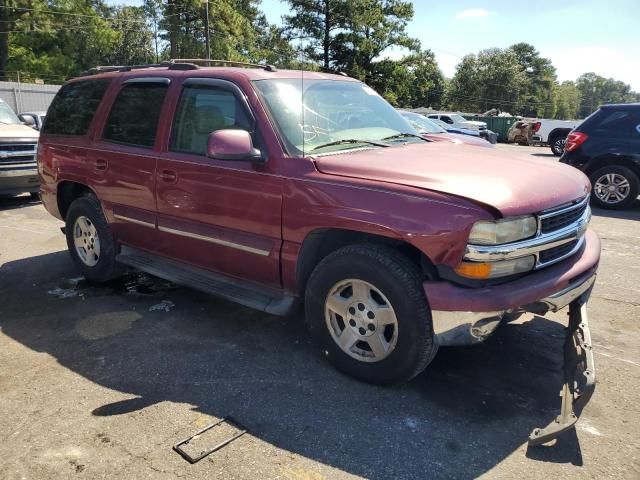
134	116
74	106
202	110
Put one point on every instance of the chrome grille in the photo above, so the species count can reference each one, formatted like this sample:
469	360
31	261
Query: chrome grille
17	153
555	253
561	218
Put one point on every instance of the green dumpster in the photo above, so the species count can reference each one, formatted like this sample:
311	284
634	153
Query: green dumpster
500	125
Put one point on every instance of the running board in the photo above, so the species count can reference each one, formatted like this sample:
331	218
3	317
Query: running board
244	293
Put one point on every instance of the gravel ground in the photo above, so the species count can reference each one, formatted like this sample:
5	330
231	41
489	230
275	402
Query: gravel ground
101	381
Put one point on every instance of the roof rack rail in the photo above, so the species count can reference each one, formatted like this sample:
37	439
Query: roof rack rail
128	68
209	62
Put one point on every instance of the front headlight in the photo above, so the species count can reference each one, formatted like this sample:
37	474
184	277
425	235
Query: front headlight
503	231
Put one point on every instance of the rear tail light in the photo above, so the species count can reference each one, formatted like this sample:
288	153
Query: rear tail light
536	126
574	140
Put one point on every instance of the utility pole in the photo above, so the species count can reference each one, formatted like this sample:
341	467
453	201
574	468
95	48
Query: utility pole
206	29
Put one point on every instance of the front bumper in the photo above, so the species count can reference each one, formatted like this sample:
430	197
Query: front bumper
464	316
18	181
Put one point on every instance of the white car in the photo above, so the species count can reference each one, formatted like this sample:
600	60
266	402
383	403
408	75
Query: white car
458	120
553	133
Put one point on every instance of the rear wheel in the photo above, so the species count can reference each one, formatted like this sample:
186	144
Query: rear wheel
366	308
557	145
614	187
90	241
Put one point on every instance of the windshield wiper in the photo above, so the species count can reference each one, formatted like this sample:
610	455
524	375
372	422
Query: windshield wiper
349	141
405	135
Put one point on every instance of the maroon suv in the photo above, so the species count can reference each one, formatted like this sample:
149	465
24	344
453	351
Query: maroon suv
275	188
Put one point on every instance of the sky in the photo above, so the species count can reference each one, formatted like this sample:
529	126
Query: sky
601	36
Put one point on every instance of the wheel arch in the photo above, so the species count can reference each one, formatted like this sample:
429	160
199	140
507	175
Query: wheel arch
67	192
613	160
556	132
321	242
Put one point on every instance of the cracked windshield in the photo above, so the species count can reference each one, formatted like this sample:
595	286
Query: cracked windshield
323	116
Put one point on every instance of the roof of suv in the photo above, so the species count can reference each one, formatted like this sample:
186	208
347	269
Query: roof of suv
621	105
248	73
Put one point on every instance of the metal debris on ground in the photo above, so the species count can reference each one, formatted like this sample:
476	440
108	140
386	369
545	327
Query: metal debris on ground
239	430
164	305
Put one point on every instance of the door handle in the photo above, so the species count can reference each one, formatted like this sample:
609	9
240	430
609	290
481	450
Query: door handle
168	176
101	164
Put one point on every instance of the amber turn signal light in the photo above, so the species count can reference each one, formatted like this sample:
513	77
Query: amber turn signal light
474	270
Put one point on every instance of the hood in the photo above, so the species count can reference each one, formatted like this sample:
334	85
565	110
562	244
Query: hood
17	131
514	184
457	138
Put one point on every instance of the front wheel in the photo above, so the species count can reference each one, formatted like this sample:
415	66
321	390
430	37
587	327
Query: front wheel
557	145
90	241
614	187
366	308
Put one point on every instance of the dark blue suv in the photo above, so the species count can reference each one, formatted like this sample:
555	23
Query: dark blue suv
606	147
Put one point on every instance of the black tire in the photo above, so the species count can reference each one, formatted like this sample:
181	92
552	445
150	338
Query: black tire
400	281
629	175
557	144
106	267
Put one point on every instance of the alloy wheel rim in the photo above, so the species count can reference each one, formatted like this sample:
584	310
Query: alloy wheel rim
560	143
612	188
361	320
86	241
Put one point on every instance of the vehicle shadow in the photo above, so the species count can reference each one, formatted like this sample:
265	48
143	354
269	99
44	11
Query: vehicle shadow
632	212
13	202
545	155
477	403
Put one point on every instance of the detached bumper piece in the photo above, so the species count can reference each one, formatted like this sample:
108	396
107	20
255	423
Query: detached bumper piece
579	375
178	447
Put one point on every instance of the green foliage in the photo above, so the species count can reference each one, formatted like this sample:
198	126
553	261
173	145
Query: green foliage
596	90
492	79
55	39
567	101
414	81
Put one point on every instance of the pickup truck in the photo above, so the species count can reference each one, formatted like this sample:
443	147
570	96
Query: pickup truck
553	133
278	189
17	154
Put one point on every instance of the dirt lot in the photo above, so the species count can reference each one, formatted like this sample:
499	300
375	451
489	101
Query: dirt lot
100	381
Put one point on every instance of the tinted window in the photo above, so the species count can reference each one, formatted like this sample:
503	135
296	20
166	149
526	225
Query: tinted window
203	110
135	113
73	107
613	123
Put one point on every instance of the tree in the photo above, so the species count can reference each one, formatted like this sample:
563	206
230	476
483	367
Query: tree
414	81
567	101
315	23
596	90
372	27
492	79
538	97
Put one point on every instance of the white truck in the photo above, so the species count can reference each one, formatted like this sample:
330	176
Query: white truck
553	133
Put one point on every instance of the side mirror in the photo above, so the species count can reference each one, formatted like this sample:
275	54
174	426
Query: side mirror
233	145
28	120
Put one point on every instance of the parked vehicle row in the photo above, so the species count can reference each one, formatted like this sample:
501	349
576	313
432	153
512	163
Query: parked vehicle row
273	191
17	154
431	131
456	123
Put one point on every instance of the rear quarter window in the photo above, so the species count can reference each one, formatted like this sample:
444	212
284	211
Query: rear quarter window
74	106
612	123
